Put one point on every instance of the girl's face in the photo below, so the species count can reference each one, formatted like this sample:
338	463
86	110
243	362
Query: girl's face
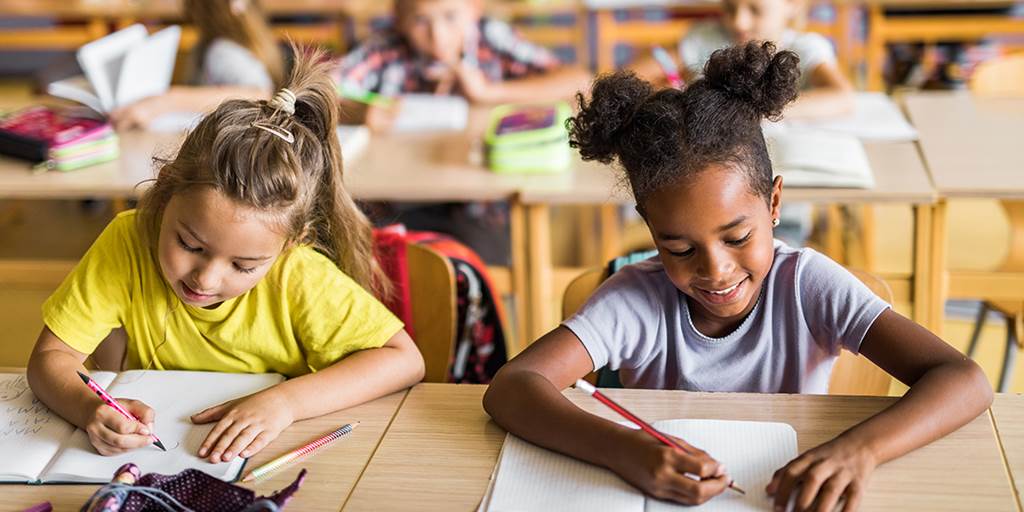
758	20
437	28
714	236
211	249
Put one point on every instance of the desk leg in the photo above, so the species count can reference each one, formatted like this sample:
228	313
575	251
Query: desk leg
604	25
939	274
519	271
540	306
922	278
876	47
611	232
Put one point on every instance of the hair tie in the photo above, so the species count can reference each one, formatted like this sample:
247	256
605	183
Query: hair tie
284	100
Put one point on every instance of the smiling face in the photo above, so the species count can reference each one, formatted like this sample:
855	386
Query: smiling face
212	249
758	20
714	236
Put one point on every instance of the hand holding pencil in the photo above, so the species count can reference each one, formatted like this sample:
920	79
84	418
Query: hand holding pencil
118	425
664	466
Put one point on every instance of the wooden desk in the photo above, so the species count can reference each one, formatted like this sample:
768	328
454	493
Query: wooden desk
971	147
899	174
1008	417
441	448
331	478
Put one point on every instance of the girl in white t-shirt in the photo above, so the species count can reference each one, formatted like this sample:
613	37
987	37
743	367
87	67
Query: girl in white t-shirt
825	90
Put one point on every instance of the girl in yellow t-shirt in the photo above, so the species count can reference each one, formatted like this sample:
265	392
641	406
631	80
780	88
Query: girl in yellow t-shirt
246	255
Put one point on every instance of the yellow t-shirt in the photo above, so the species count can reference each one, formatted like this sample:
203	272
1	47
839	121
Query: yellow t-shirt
304	315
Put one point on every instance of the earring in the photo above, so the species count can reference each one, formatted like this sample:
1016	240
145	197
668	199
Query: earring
775	222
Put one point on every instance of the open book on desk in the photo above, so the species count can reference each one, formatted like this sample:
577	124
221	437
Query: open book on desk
817	159
531	478
875	117
122	68
40	447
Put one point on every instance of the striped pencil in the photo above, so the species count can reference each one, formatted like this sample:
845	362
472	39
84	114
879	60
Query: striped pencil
300	452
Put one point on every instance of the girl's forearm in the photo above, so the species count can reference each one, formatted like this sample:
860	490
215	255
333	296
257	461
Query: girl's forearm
51	375
941	401
359	378
528	405
822	103
562	83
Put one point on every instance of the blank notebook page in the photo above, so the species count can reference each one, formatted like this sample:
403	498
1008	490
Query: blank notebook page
530	478
750	450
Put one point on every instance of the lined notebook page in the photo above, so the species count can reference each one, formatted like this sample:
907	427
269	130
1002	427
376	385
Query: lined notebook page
533	478
751	450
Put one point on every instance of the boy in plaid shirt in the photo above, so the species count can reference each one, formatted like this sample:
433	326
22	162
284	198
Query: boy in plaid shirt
449	47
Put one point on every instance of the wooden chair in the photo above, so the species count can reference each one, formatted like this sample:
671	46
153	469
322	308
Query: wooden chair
434	315
852	375
1004	77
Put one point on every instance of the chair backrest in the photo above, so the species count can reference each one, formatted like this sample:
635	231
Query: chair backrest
1003	76
852	375
434	314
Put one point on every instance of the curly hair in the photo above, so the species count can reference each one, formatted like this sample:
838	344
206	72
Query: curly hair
661	137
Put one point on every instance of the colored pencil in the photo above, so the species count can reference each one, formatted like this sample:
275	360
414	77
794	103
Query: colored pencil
589	389
668	66
300	452
109	400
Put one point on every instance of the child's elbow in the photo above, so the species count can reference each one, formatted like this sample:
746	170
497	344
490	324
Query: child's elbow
978	383
417	368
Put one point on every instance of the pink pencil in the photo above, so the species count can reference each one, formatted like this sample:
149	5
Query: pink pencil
109	400
589	389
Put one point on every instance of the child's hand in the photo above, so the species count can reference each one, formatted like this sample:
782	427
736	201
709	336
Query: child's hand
821	476
244	426
474	84
380	118
660	471
111	433
138	114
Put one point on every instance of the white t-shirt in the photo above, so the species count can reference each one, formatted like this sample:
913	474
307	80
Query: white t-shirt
810	307
229	63
704	38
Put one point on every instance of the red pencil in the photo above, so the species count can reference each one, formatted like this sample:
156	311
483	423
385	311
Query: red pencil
589	389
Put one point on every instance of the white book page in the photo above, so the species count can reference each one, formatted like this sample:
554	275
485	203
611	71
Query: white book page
818	159
101	61
175	396
147	67
429	112
751	450
533	478
76	88
30	434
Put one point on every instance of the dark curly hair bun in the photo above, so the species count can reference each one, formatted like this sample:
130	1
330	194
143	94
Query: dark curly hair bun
598	129
755	74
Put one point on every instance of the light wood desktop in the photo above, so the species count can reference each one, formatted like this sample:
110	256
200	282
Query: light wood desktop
1008	418
971	146
331	476
441	448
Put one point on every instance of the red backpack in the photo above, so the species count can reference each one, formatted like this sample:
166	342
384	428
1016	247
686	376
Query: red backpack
480	343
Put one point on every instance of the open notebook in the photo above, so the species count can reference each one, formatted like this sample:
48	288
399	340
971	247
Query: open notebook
818	159
40	447
529	477
430	112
